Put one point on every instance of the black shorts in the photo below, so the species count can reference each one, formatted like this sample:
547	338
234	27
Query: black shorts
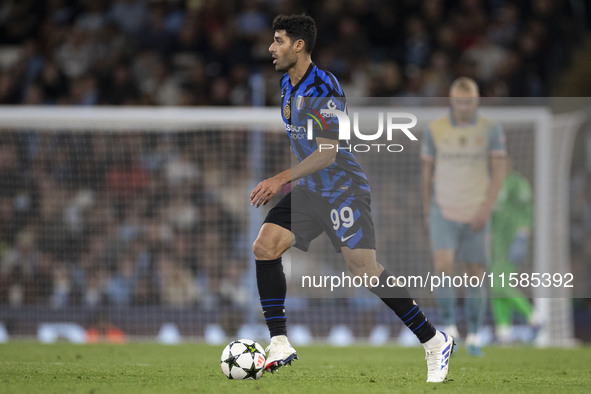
347	222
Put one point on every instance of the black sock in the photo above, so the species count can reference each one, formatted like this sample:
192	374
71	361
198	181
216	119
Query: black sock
272	290
399	300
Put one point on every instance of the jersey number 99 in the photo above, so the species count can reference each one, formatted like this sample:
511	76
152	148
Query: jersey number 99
345	217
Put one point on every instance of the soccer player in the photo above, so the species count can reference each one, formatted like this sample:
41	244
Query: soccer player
459	194
332	196
511	225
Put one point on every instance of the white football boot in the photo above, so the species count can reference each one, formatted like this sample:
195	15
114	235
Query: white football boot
438	359
279	353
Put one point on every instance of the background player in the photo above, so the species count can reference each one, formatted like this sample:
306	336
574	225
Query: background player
511	226
332	196
458	197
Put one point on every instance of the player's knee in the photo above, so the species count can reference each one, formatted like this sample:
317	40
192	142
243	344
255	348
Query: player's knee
358	267
357	271
443	263
265	250
444	266
355	265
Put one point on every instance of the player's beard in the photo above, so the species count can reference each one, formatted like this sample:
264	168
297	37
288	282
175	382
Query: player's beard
285	67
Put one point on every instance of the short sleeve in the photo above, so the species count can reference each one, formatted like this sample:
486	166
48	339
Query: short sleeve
427	146
325	125
497	144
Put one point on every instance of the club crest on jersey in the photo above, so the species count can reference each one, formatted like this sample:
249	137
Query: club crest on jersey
299	104
287	111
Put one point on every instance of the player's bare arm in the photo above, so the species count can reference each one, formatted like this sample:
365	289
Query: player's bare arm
499	170
318	160
427	190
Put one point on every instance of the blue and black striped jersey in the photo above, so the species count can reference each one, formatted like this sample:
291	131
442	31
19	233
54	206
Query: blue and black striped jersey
319	90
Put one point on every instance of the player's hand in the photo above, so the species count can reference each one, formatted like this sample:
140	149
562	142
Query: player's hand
479	220
265	191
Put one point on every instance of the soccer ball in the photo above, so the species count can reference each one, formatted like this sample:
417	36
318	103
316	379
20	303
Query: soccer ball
243	359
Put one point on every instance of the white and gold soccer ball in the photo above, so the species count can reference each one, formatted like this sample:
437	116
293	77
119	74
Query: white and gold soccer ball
243	359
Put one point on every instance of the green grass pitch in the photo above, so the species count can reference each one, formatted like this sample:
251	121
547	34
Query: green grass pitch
27	367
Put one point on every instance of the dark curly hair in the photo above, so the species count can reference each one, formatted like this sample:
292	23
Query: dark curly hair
297	27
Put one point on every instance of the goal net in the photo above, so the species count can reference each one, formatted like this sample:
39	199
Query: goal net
138	220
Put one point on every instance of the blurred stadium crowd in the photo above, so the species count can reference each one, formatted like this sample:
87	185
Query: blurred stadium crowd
126	219
202	52
129	219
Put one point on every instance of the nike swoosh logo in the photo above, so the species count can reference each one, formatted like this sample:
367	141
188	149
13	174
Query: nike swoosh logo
344	239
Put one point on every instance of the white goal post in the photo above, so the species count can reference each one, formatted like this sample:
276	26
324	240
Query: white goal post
552	138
